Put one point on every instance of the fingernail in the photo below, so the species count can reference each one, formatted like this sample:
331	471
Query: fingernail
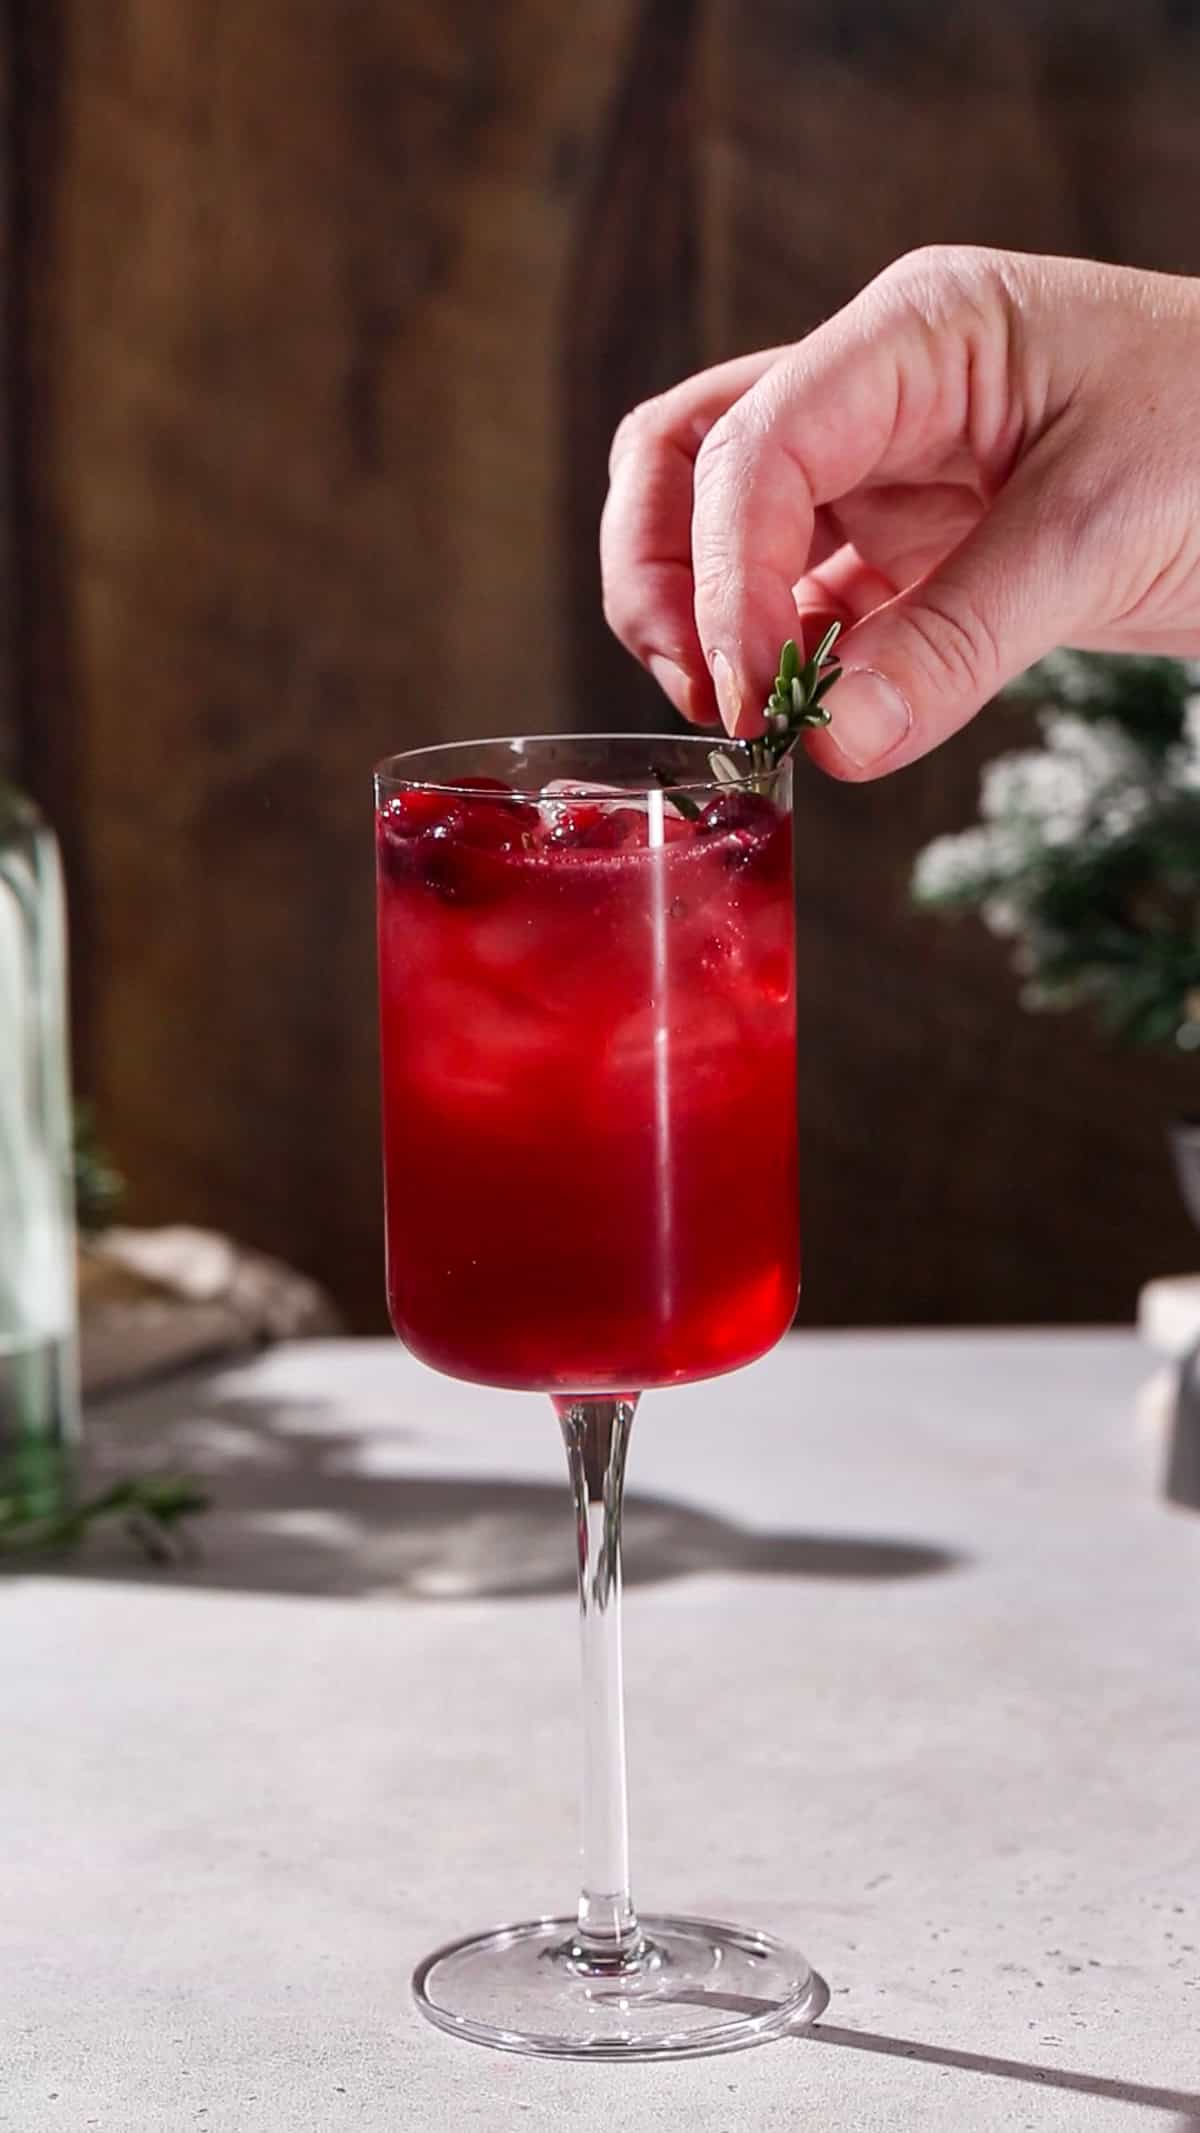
868	716
729	696
671	680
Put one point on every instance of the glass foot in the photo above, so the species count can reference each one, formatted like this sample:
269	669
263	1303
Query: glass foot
697	1986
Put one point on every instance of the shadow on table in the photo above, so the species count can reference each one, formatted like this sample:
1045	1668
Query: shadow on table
298	1508
1104	2087
1101	2086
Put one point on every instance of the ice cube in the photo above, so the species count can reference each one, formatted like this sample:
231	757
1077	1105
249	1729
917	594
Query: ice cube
577	789
560	792
474	1043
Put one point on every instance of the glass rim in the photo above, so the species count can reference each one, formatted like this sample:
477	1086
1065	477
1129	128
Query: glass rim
388	777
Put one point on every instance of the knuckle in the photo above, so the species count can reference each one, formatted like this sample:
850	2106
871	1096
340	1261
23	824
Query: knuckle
724	462
637	431
935	264
942	281
958	644
713	580
620	609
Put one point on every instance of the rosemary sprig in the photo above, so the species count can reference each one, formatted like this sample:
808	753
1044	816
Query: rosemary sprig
683	801
796	702
151	1510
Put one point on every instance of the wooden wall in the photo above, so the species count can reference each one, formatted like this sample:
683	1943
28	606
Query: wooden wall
320	317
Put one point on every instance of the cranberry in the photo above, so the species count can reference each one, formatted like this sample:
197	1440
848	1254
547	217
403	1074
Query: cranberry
406	814
750	830
496	789
676	830
573	825
449	842
405	820
460	869
488	827
581	827
737	809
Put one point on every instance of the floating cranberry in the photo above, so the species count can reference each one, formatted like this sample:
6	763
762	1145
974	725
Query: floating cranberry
496	789
488	827
405	820
417	808
457	869
749	832
573	825
584	827
737	809
676	829
449	842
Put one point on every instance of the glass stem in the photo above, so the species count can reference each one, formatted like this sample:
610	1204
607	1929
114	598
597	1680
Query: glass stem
596	1433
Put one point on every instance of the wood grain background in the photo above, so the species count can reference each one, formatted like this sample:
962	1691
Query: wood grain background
318	320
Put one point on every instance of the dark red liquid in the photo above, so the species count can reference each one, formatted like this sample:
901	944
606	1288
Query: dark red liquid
588	1091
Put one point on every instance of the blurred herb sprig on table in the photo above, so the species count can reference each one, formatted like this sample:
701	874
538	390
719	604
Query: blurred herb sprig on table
1087	853
151	1509
99	1188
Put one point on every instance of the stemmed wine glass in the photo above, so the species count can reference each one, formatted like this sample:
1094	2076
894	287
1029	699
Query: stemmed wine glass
586	957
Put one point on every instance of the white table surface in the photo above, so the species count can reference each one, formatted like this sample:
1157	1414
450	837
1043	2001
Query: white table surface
913	1653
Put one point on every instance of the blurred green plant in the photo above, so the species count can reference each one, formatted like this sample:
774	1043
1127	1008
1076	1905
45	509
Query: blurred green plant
1087	853
151	1510
99	1188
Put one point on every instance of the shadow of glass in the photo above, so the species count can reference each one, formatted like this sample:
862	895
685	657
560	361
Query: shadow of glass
1104	2087
301	1508
1181	1481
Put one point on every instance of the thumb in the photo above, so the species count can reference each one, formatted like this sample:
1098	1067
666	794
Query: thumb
921	666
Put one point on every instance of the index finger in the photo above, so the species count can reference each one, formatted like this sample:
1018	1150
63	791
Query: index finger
911	376
646	527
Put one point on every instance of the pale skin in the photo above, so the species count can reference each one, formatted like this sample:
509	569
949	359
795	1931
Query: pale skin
985	455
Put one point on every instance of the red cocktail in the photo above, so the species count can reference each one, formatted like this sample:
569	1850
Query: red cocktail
588	1027
589	1032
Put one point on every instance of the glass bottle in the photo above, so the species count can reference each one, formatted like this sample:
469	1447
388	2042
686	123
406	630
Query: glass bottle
39	1389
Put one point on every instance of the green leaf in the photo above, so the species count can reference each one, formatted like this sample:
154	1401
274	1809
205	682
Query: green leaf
149	1507
796	701
681	800
98	1186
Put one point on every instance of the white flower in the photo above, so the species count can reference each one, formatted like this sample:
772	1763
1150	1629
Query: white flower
1069	679
1002	917
954	866
1047	793
1185	760
1122	813
1086	780
1102	755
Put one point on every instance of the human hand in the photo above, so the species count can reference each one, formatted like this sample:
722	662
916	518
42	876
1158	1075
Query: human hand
985	455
